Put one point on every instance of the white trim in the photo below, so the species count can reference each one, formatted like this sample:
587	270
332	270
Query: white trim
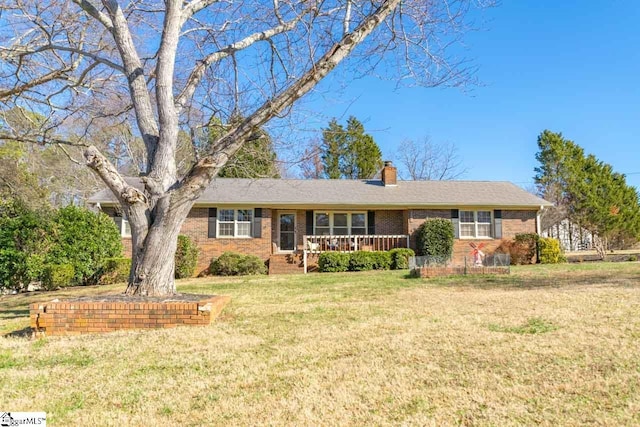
475	224
235	223
349	221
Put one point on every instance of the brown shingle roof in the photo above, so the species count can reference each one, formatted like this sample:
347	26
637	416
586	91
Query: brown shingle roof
357	193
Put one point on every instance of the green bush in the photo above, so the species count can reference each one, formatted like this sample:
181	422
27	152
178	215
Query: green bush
400	258
251	264
25	239
186	257
115	270
550	251
85	240
435	238
235	264
362	261
382	260
331	262
632	258
57	276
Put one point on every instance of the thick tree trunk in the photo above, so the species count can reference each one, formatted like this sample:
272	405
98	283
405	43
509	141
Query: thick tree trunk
153	261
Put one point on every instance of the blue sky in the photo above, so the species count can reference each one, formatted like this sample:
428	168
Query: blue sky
571	67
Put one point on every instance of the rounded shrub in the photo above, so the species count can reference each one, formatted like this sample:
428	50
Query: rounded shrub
235	264
250	265
435	238
400	258
116	270
186	257
332	262
550	251
85	240
57	276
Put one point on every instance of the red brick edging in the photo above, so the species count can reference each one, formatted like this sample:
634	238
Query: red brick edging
80	317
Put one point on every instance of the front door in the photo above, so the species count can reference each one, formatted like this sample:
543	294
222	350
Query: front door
287	231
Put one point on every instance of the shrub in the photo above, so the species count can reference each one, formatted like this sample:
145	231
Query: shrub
382	260
186	257
331	262
522	249
400	258
115	270
226	264
632	258
435	238
251	264
550	251
25	239
85	240
57	276
362	261
235	264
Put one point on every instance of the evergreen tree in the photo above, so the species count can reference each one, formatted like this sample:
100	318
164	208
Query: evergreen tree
333	148
349	153
587	191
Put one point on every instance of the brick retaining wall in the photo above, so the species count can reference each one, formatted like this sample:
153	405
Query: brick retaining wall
74	318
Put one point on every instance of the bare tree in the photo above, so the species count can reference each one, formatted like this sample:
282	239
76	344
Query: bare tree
176	64
426	160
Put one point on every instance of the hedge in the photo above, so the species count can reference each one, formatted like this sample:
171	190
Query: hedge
116	270
400	258
57	276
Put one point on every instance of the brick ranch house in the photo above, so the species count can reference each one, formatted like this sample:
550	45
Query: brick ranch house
279	219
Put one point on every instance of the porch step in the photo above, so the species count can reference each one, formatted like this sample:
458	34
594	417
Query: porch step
291	264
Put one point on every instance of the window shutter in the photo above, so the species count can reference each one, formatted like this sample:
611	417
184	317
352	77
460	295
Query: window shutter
497	224
371	222
257	222
309	223
455	215
213	222
118	221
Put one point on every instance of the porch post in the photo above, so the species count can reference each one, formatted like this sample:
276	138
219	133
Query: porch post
304	253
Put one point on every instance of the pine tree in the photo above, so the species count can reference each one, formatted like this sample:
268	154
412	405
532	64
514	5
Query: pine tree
333	149
587	191
349	153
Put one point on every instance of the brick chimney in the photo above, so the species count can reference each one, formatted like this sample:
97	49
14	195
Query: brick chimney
389	174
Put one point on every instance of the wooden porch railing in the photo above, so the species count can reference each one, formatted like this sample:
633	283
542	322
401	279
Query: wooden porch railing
374	242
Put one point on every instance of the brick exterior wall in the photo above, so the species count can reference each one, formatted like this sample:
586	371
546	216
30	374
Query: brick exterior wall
517	222
196	226
387	222
74	318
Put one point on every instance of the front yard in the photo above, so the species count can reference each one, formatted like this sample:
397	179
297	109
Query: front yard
550	345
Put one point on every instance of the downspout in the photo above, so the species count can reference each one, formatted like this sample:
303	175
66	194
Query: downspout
539	232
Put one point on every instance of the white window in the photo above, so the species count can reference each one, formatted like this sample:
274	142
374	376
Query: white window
235	222
340	223
475	224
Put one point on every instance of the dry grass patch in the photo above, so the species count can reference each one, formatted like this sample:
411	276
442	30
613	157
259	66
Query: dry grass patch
546	345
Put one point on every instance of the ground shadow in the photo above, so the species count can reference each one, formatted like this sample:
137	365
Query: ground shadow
13	314
20	333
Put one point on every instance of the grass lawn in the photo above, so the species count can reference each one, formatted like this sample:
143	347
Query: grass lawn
549	345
